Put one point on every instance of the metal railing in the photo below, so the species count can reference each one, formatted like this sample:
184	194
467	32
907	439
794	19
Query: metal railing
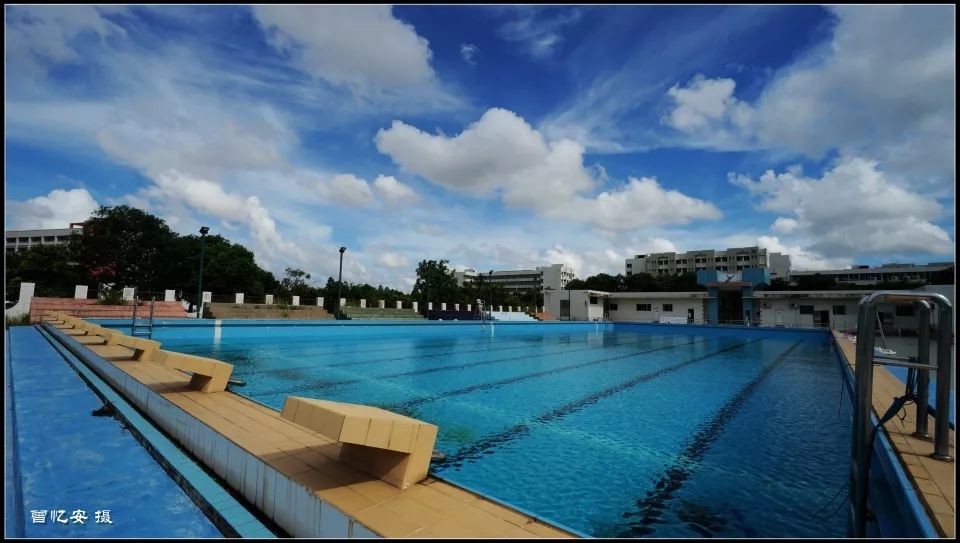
863	430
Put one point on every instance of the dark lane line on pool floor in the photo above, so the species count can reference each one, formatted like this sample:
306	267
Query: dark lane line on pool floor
669	483
293	371
205	349
405	407
455	351
321	384
489	444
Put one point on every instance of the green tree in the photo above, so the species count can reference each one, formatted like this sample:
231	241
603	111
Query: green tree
126	247
295	283
943	277
779	283
604	282
817	281
437	280
49	266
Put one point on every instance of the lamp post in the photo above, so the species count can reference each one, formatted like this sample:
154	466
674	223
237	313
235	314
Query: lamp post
203	237
340	282
490	292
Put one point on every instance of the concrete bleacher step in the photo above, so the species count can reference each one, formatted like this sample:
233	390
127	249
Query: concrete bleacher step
265	311
91	309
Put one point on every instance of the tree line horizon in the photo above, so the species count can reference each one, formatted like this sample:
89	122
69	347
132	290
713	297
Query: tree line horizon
122	246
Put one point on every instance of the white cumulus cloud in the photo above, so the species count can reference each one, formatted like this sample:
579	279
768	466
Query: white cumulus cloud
364	47
852	209
393	193
502	154
57	209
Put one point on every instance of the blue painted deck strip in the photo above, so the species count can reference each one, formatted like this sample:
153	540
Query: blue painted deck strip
901	374
13	497
889	463
71	460
241	521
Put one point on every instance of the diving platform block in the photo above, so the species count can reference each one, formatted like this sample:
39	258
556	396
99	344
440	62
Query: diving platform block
391	447
209	375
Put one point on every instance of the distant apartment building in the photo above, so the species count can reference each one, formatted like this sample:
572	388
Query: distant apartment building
553	277
18	240
867	275
730	260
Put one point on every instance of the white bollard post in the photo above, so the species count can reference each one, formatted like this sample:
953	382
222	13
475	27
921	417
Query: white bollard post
343	302
500	308
319	301
456	307
363	303
383	304
429	306
238	297
128	293
443	306
23	303
296	300
415	304
80	292
169	296
399	304
469	306
269	300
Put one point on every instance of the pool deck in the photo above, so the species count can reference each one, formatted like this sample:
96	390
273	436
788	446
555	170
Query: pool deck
934	480
432	508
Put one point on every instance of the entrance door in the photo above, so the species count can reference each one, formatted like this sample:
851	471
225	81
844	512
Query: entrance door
821	319
690	315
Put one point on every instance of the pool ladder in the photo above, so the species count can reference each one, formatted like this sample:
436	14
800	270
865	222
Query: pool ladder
861	447
133	321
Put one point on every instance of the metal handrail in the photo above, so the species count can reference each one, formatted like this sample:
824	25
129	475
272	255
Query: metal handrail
861	449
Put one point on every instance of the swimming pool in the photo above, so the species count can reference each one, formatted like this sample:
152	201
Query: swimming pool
617	430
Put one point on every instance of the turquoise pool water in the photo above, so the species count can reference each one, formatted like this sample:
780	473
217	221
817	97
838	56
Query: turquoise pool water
628	431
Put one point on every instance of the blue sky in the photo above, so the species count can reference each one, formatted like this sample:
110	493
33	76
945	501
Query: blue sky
494	137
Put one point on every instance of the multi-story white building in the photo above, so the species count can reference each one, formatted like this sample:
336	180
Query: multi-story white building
553	277
730	260
18	240
866	275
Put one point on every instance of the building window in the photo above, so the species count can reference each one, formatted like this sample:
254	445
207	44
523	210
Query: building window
49	238
806	310
613	307
839	310
904	310
629	265
11	240
668	307
593	300
643	307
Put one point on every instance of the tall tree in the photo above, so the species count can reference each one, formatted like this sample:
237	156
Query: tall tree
434	276
125	246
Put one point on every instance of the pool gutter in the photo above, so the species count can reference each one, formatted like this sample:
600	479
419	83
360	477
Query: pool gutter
229	515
